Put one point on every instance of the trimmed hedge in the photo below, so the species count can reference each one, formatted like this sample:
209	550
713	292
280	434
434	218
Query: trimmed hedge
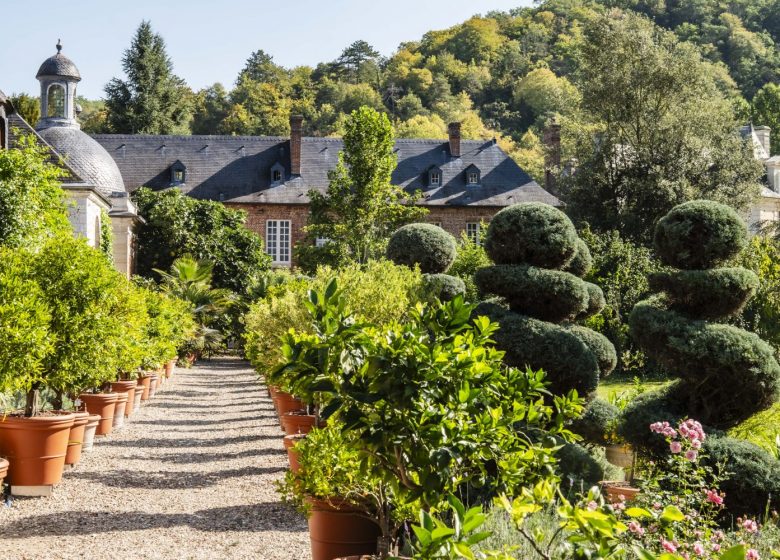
549	295
594	424
582	261
706	294
426	245
443	286
596	301
600	346
532	233
699	234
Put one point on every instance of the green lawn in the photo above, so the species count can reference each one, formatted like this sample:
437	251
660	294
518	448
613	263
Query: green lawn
617	386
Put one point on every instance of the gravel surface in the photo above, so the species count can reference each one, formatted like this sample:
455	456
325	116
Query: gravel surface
190	477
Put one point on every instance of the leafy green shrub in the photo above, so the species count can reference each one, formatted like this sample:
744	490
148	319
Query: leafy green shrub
169	325
470	257
578	467
582	261
425	245
442	286
130	348
727	373
532	244
106	236
532	233
762	312
596	422
700	234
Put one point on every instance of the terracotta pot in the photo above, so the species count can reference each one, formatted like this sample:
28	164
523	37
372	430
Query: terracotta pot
3	471
119	411
292	454
137	399
618	491
284	403
103	404
145	381
127	387
76	438
298	422
153	382
35	448
169	368
89	432
336	529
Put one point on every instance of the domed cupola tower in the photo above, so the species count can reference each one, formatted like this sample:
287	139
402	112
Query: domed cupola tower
58	77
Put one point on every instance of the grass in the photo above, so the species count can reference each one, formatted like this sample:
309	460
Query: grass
761	429
616	386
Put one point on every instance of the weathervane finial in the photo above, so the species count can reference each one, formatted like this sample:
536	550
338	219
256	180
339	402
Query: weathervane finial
59	46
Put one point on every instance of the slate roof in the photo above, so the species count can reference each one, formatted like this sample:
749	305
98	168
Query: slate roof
59	65
87	158
238	168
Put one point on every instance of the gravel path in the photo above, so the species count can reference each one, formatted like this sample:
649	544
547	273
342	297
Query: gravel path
190	477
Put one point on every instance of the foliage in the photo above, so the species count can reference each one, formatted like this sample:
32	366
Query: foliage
442	286
708	357
178	225
24	323
665	134
27	106
190	281
766	112
361	206
106	236
425	245
435	540
596	425
531	244
762	312
152	100
471	256
32	203
170	325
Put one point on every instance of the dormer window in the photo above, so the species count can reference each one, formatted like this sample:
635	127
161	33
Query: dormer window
277	174
178	173
472	176
434	177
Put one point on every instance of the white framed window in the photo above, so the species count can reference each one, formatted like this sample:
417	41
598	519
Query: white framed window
321	241
473	178
277	241
435	178
472	232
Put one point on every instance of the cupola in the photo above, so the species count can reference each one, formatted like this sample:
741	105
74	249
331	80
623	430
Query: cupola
58	77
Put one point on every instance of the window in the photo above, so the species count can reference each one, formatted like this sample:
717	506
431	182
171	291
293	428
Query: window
435	178
277	176
178	172
277	241
277	173
473	178
178	176
472	232
321	241
55	101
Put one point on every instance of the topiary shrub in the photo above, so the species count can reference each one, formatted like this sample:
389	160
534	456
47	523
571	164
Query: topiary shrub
726	373
536	253
443	286
596	421
425	245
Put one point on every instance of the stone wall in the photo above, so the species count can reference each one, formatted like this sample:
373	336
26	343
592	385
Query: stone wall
84	214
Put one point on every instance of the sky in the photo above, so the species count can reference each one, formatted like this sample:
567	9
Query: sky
210	40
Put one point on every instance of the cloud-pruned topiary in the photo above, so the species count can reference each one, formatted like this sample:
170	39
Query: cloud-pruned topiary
726	373
425	245
443	287
539	261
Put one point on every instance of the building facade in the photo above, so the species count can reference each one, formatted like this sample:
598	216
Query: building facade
766	210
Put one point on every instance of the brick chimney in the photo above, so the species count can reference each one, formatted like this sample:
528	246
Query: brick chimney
552	155
296	129
454	132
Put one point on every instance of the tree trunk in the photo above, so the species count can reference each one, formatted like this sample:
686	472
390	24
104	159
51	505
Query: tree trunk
57	401
32	405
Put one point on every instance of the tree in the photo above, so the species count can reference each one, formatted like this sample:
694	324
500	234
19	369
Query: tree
152	100
177	225
260	67
354	57
212	106
27	106
361	207
766	112
32	203
664	133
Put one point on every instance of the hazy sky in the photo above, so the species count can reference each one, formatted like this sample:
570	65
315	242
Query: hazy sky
209	41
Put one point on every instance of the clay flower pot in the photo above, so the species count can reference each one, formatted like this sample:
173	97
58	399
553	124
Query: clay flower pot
145	381
616	491
337	529
153	382
3	471
89	432
103	404
35	447
169	368
119	411
137	400
298	422
292	454
284	403
126	387
76	438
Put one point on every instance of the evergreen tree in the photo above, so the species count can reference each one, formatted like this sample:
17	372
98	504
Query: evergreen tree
361	207
766	112
153	100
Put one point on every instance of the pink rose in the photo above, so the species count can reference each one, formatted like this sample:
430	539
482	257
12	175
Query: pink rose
696	444
714	497
668	546
691	454
750	526
635	527
716	547
752	554
593	506
698	549
675	446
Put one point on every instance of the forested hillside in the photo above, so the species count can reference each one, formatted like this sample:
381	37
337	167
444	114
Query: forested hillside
502	74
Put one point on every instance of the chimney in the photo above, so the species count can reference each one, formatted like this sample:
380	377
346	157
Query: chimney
762	133
552	155
296	127
454	132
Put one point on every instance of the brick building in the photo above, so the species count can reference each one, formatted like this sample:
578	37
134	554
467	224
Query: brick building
464	182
